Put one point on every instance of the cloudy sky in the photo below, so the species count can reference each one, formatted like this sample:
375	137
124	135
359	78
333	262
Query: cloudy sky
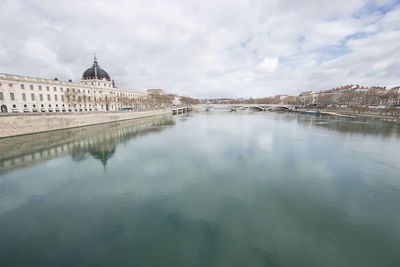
208	48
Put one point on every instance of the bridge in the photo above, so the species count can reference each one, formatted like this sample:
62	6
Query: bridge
235	107
180	110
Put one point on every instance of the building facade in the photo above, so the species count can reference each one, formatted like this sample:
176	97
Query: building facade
95	92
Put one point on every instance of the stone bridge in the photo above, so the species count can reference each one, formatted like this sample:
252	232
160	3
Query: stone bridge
181	110
235	107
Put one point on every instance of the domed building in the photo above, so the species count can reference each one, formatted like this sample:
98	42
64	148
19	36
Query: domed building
95	91
95	72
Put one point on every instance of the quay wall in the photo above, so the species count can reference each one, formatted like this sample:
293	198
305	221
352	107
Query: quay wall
21	124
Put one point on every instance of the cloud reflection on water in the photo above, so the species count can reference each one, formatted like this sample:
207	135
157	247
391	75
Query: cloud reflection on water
215	190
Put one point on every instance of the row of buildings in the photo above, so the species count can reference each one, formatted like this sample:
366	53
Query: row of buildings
94	92
352	95
343	96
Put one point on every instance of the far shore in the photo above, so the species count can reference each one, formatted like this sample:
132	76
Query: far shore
355	115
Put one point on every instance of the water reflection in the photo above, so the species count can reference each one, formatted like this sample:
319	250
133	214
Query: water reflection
99	141
217	189
341	124
348	125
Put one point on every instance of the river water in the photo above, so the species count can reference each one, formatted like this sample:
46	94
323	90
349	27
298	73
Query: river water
207	189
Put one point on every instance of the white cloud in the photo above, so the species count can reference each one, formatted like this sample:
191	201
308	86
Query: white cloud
208	48
268	64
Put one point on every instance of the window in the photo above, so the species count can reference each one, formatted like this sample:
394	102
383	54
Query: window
47	88
55	98
22	86
40	88
10	85
12	96
31	87
61	89
55	89
23	97
48	97
33	97
41	97
62	97
1	96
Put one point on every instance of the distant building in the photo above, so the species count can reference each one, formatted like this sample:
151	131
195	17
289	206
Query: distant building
156	91
95	91
308	98
396	89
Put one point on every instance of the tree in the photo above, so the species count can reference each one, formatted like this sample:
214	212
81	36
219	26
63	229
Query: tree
372	97
347	98
324	99
189	101
393	111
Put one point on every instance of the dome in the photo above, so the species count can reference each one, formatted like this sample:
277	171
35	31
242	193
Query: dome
95	72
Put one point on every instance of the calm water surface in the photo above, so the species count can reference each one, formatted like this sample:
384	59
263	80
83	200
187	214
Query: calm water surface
210	189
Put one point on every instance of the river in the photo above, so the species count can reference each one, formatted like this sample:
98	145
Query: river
206	189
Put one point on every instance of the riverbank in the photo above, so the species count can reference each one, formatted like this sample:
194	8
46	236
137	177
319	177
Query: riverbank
355	115
22	124
337	114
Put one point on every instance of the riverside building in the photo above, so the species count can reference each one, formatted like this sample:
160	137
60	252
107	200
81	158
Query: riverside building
95	92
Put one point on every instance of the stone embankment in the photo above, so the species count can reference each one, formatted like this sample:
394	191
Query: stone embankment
337	114
355	115
21	124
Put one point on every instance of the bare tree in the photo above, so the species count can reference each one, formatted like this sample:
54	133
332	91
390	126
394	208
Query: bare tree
188	100
324	99
372	97
347	98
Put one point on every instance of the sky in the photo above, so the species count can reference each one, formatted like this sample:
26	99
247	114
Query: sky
208	48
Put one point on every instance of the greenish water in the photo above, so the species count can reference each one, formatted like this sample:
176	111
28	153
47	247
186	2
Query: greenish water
210	189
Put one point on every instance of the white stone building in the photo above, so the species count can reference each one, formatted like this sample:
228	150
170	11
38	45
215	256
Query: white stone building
95	92
308	98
